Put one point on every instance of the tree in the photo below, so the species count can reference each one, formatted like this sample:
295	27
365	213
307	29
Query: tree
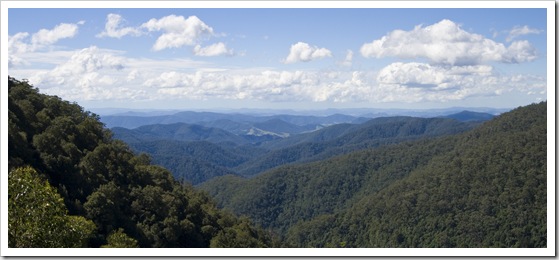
37	216
119	239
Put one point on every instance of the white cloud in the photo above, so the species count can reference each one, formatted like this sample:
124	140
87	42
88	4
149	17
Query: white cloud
132	75
113	29
90	74
521	30
216	49
302	51
87	68
20	45
178	31
16	46
61	31
431	77
424	82
519	51
446	43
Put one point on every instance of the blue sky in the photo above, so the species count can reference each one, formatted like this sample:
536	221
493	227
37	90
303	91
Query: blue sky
305	58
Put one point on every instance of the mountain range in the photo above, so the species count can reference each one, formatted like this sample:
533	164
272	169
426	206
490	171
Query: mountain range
265	143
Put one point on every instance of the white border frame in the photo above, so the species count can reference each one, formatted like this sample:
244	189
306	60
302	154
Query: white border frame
551	63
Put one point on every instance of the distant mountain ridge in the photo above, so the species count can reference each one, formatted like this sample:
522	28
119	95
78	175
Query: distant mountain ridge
176	131
203	118
133	119
271	143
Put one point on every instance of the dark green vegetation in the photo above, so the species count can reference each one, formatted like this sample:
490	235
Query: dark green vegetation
483	188
72	185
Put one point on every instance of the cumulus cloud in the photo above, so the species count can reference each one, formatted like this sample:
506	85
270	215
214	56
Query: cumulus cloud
431	77
61	31
113	28
302	51
85	68
216	49
521	30
19	43
90	74
16	46
178	31
446	43
16	43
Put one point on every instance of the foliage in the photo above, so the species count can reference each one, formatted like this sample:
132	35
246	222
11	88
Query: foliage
37	216
119	239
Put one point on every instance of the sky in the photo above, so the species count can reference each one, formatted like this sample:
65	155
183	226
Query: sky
284	58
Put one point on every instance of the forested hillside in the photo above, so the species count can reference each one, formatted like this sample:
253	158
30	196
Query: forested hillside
483	188
346	138
72	185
